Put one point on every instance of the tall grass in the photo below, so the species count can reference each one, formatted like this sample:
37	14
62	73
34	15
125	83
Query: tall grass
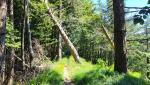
47	77
86	74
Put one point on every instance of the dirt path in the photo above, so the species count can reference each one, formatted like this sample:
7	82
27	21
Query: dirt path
67	79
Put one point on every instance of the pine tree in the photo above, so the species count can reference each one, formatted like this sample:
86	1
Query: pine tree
119	36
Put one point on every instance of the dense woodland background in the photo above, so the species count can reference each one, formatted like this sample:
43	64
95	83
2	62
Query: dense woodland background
99	44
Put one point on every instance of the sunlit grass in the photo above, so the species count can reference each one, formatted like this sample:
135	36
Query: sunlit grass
47	77
86	74
78	68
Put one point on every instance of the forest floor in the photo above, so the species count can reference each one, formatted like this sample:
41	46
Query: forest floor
68	72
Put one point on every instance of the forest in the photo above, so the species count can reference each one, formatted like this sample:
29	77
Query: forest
74	42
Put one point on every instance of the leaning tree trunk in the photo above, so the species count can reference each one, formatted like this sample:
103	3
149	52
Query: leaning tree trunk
119	36
107	36
3	12
63	34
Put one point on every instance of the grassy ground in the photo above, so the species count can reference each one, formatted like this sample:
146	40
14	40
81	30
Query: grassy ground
51	76
86	74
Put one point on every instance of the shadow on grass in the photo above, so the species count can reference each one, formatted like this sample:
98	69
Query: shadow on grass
130	80
47	77
105	77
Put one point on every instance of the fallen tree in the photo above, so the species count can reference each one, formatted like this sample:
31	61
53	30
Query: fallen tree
107	36
63	34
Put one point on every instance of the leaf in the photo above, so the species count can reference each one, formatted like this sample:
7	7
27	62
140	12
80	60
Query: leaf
141	21
148	11
135	21
144	16
148	1
142	11
146	7
136	16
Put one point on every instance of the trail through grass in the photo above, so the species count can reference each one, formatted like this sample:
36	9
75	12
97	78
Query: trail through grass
86	74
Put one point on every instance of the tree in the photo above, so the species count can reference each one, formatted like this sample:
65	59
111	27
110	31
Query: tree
10	58
27	34
60	38
119	36
3	12
56	53
110	12
63	34
22	42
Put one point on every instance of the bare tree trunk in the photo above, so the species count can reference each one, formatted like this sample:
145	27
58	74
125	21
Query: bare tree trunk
31	52
63	34
9	67
119	36
22	44
3	13
11	57
60	47
28	43
60	38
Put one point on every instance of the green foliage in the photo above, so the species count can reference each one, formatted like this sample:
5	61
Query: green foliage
104	76
47	77
87	74
41	24
137	61
148	1
143	14
77	69
51	76
12	38
101	63
80	24
134	74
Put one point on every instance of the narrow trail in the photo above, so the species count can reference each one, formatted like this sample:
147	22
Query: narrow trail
67	79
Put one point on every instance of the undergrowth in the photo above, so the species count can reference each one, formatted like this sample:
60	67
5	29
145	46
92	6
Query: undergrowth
48	77
106	77
87	74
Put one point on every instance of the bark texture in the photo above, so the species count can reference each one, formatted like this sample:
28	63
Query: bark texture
27	35
60	38
3	13
10	58
119	36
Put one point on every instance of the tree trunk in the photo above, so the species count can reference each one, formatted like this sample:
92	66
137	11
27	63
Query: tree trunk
22	43
60	47
28	42
63	34
3	12
107	36
60	38
54	52
119	36
9	67
11	56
